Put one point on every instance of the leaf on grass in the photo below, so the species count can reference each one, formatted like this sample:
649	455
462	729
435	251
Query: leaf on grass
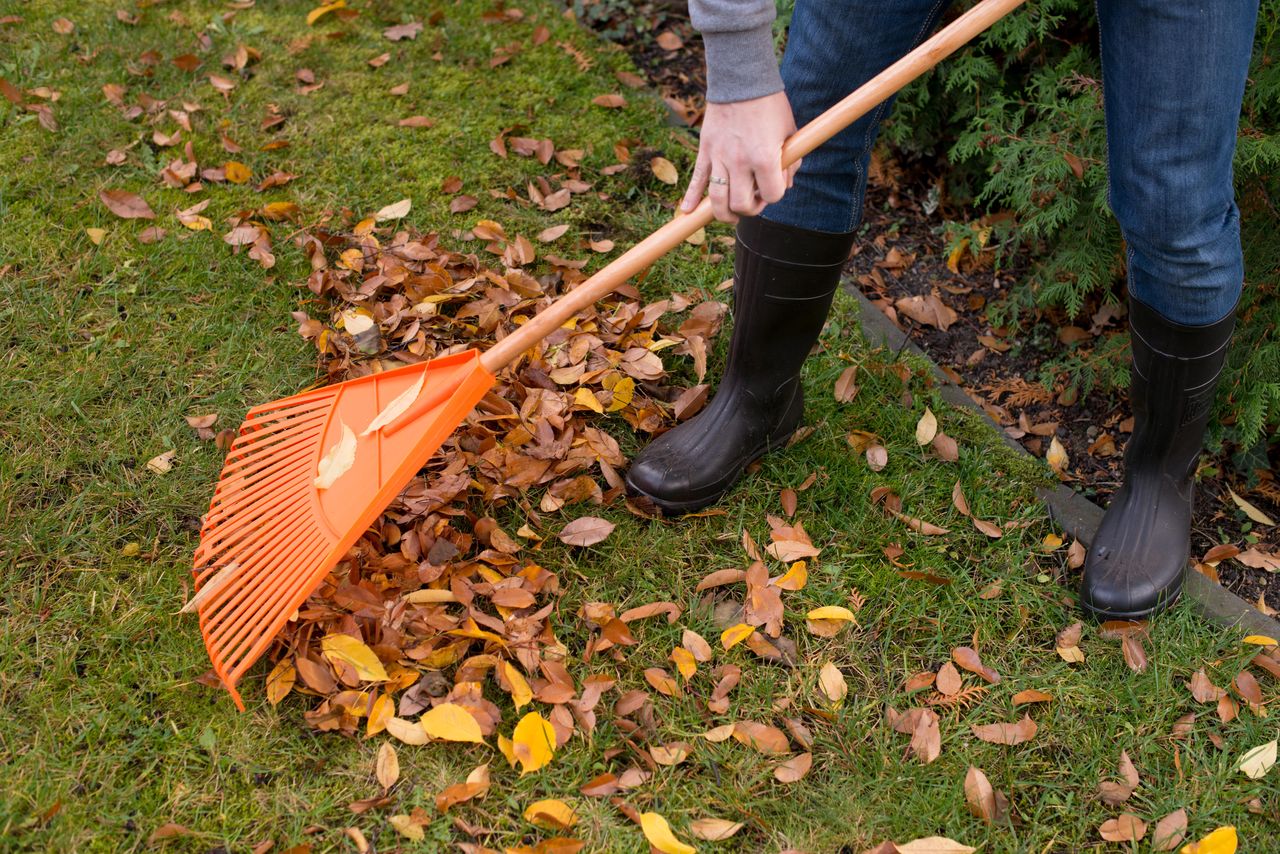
794	769
1010	734
1126	827
949	681
967	658
320	11
1257	762
1031	695
735	635
398	210
761	737
659	834
551	814
387	767
1169	831
832	682
126	205
451	722
345	648
338	460
611	101
1203	689
586	531
696	644
846	386
714	829
794	578
533	742
664	170
926	427
829	620
393	410
237	172
934	845
670	754
979	794
1221	841
521	693
1135	654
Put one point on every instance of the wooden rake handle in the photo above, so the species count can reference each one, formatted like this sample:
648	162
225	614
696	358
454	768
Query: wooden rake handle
641	256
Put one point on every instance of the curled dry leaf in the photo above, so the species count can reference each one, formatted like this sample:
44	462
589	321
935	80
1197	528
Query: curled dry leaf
926	427
338	460
551	814
1031	695
762	737
398	405
1067	644
967	658
832	683
664	170
735	635
387	767
659	834
1257	762
1135	654
979	794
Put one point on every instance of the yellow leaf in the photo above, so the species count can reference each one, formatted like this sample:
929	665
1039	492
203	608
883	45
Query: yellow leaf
384	708
337	461
795	578
1051	542
664	170
1260	640
926	427
831	612
533	742
345	648
393	410
451	722
236	172
623	392
735	635
585	397
521	693
659	834
508	749
407	827
407	731
195	222
551	814
953	259
352	259
718	734
1221	841
320	11
277	211
685	662
280	681
96	235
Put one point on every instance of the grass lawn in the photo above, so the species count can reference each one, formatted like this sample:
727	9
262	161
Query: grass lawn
107	344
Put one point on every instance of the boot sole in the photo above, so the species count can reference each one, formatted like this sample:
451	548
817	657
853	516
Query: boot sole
1167	599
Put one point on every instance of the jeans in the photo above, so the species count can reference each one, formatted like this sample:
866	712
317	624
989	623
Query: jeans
1173	79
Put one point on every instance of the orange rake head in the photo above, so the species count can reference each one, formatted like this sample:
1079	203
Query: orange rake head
271	534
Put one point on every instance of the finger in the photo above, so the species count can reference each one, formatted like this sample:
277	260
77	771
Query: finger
771	183
791	173
743	196
697	184
719	193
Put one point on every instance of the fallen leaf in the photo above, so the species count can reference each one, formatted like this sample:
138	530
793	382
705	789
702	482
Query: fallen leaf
387	767
735	635
929	310
1031	695
926	427
236	172
794	769
1260	640
396	407
979	794
832	682
1249	510
934	845
533	742
345	648
1221	841
551	814
1056	456
610	101
1127	827
659	834
664	170
403	31
407	827
1169	831
714	829
162	463
338	460
1002	733
1258	761
126	205
586	531
399	210
967	658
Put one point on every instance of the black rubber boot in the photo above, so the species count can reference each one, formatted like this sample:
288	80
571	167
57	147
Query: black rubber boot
1136	563
784	281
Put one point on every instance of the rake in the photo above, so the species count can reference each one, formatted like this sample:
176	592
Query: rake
271	535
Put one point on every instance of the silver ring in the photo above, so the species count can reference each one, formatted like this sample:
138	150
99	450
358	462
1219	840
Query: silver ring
716	179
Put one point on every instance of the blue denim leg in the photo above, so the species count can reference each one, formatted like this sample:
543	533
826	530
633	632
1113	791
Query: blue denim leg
834	46
1173	79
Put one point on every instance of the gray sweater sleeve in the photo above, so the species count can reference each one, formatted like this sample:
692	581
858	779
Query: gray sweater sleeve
738	34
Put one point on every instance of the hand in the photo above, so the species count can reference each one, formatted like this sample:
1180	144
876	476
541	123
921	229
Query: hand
741	148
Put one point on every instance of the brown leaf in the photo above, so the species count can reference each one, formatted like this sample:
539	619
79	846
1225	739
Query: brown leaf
949	682
126	205
929	310
979	795
1169	831
762	737
400	32
967	658
846	386
1031	695
1002	733
794	769
669	41
1203	689
926	738
586	531
611	101
1135	654
1127	827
